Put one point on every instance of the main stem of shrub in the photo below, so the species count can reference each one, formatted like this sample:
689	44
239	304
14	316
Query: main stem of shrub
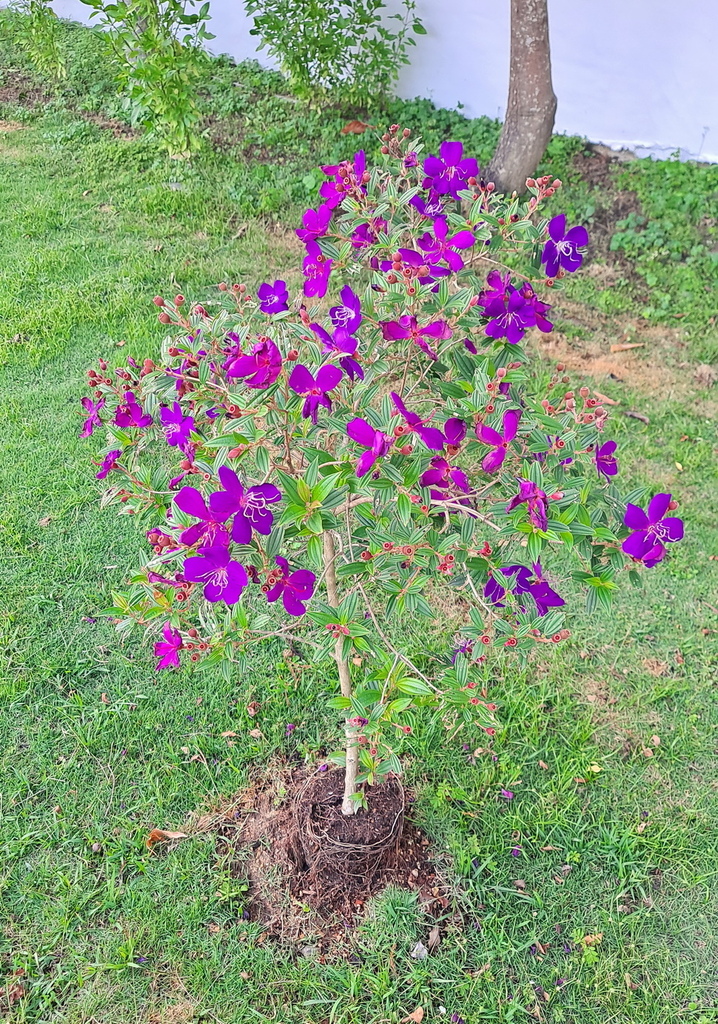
349	806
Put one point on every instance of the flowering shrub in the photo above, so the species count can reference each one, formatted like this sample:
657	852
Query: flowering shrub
318	468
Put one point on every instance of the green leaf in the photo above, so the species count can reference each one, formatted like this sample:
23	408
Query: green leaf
403	508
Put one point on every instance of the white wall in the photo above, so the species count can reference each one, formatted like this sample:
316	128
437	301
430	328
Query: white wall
636	73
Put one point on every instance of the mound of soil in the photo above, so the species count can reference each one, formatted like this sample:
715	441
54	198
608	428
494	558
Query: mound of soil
310	869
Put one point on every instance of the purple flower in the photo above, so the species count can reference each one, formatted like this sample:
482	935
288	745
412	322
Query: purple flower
176	425
606	461
93	415
520	580
498	288
316	268
315	224
367	234
167	650
273	298
293	587
249	507
442	474
223	579
260	368
210	529
342	343
499	442
313	388
431	436
108	463
651	530
454	431
411	160
544	595
348	315
348	178
440	247
376	443
507	794
432	206
515	851
408	327
561	249
290	728
129	413
536	501
510	319
470	346
447	173
540	308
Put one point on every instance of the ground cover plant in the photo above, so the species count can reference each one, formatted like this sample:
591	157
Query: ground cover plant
98	748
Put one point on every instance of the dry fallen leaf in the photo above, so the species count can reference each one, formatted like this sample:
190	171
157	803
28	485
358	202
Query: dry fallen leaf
160	835
519	883
592	940
356	127
581	782
655	741
542	764
253	708
605	399
642	826
419	952
647	752
417	1016
627	346
595	768
226	733
105	699
548	849
45	521
434	938
654	667
256	734
636	416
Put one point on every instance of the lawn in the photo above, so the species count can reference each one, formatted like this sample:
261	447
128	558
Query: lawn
608	914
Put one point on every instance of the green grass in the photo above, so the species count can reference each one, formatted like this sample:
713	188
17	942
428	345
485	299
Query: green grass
98	749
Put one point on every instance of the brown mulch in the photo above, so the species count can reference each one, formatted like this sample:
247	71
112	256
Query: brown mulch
266	835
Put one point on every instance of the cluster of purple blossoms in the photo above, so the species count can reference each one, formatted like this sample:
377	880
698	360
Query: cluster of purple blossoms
441	478
606	461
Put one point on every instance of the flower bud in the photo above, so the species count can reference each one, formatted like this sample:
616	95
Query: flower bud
158	300
406	133
490	187
530	183
292	355
672	504
179	300
584	392
391	278
164	318
222	286
385	150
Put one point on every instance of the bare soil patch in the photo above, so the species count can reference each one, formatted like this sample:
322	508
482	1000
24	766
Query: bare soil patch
311	870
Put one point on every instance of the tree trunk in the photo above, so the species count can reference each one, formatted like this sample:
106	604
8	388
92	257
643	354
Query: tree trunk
531	106
349	806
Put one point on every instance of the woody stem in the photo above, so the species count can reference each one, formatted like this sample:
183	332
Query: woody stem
349	806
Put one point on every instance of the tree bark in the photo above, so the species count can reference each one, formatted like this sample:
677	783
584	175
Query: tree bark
531	106
349	806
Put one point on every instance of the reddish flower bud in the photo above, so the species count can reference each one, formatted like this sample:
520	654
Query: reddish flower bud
164	318
584	392
222	286
292	355
158	300
179	300
485	639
